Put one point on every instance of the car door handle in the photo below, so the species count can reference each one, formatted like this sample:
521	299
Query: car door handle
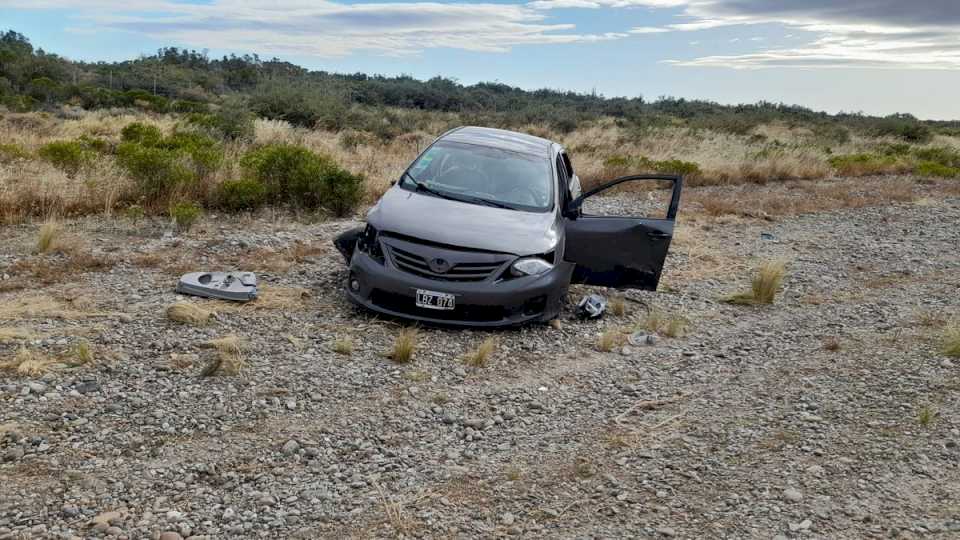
658	234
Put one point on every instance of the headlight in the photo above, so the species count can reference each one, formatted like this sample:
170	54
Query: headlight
531	266
369	244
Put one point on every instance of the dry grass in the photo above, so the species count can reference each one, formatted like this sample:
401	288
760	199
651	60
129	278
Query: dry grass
45	307
951	340
343	346
404	345
765	285
82	353
610	339
187	313
230	358
832	344
927	415
618	306
14	334
480	356
48	239
657	321
28	363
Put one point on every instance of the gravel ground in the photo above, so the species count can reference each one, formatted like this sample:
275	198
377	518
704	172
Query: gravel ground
829	414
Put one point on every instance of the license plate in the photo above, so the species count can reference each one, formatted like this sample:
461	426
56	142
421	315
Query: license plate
435	300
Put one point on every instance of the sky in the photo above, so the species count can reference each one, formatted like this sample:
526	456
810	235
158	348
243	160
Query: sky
872	56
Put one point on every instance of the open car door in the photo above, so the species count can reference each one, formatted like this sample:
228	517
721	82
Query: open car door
616	250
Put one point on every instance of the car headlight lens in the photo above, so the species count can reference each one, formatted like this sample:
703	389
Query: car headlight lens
530	266
369	244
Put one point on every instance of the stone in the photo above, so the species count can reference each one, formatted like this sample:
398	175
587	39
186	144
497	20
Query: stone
170	535
508	519
291	447
792	495
666	531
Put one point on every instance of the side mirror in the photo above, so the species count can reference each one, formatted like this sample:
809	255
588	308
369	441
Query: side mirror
572	208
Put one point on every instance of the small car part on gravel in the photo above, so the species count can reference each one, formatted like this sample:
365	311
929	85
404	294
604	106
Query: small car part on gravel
591	306
234	286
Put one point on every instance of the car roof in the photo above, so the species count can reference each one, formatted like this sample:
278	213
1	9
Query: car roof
500	138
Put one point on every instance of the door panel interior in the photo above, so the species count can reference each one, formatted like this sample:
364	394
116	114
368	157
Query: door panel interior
616	251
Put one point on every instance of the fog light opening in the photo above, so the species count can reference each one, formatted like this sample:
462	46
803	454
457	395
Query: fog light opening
354	284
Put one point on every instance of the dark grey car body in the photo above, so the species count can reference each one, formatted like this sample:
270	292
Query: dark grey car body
415	241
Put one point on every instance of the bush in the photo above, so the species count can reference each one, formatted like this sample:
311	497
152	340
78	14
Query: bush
904	127
231	122
12	152
184	215
95	144
204	153
187	106
932	168
940	155
157	171
243	194
294	175
141	133
68	156
865	164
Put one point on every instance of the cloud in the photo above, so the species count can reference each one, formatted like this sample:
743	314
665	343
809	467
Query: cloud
919	34
324	28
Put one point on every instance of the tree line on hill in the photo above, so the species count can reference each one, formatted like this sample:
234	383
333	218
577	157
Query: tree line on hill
187	81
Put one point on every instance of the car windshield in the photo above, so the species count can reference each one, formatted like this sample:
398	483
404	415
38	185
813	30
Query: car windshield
483	175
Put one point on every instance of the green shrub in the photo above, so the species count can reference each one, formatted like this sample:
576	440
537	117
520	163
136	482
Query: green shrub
96	144
242	194
232	121
622	165
187	106
864	164
68	156
932	168
832	133
184	215
157	171
350	139
904	127
677	166
341	191
140	133
294	175
205	155
943	156
12	152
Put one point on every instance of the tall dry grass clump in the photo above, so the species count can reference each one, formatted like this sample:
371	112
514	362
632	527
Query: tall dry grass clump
765	285
230	358
404	345
27	363
48	237
480	356
951	340
187	313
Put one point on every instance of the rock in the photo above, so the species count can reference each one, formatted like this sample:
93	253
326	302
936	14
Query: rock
13	454
291	447
291	404
107	517
666	531
792	495
175	516
114	531
639	339
802	526
507	519
37	388
88	387
229	514
170	535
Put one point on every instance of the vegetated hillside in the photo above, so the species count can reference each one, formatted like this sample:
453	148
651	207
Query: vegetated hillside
182	134
180	80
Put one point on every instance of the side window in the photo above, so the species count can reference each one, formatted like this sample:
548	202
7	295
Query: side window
563	180
567	165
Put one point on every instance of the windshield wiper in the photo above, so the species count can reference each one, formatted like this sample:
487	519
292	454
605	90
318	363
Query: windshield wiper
420	186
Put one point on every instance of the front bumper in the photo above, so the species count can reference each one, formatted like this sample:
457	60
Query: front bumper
385	289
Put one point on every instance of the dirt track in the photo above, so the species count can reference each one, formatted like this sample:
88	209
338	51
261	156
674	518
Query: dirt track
747	426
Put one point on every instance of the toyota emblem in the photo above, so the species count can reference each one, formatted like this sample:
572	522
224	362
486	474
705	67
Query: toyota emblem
439	266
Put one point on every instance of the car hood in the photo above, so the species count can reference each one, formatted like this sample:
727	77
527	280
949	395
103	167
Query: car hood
462	224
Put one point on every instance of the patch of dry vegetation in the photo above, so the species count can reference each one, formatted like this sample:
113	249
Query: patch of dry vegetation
765	285
45	307
14	334
48	237
230	358
657	321
28	363
404	345
187	313
610	339
480	357
343	345
951	340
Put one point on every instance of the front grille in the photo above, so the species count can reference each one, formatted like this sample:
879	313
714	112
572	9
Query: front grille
464	265
400	303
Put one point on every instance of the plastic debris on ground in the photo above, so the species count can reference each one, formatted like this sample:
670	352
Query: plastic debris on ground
233	286
591	306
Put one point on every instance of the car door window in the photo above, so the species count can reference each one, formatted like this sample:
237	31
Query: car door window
639	199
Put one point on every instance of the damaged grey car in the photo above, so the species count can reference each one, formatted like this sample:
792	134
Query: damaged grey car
488	228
